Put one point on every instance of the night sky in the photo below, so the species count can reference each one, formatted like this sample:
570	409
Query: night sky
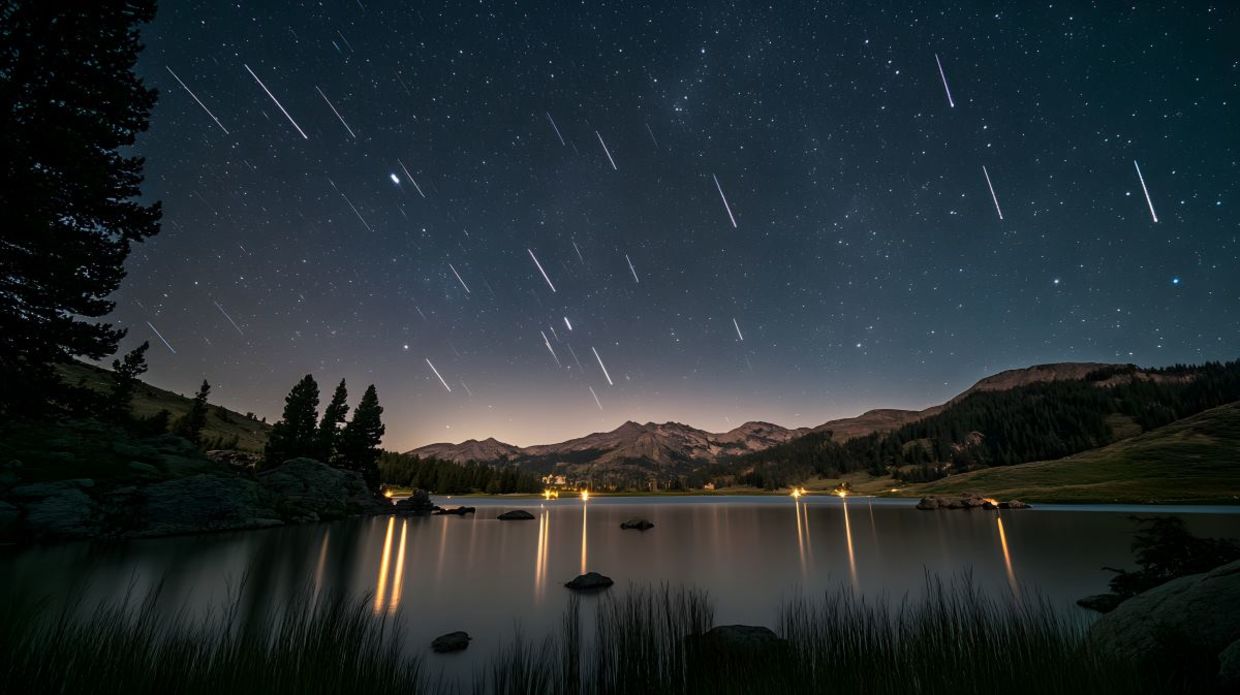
868	264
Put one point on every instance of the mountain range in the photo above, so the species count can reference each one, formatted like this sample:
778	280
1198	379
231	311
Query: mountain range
672	445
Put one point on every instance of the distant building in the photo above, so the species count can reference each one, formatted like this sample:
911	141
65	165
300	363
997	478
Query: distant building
557	480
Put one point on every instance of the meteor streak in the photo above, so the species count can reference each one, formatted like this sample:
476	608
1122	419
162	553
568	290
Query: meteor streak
550	349
412	180
225	313
1146	190
944	76
458	278
333	108
167	345
445	384
195	96
632	269
992	191
600	141
540	269
738	330
277	102
557	130
596	400
725	200
602	366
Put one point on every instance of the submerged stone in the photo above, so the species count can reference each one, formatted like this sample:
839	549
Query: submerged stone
590	581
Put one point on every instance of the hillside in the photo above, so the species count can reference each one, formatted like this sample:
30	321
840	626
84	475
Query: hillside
1196	459
1042	412
222	424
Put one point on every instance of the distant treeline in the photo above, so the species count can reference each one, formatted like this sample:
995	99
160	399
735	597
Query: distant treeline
1034	422
451	478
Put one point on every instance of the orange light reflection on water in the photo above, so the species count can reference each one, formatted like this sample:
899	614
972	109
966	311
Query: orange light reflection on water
852	557
1007	558
384	562
540	556
584	508
399	580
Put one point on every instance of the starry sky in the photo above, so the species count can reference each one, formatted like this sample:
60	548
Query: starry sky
778	212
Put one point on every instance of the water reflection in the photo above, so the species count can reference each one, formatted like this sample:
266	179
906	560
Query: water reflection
852	557
1007	558
540	556
398	580
474	573
584	507
381	585
800	534
321	567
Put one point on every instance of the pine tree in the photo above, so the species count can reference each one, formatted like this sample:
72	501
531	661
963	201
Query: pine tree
69	103
191	425
294	435
125	373
359	443
329	427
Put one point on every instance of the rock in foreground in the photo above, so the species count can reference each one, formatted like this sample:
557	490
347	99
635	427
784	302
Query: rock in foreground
515	515
639	524
590	581
451	642
1197	614
1103	603
744	638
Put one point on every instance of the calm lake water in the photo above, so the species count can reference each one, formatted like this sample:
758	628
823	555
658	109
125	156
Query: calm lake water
475	573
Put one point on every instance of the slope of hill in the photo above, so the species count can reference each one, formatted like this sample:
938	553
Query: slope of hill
1196	459
871	421
222	424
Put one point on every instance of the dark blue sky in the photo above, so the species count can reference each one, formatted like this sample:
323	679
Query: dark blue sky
868	265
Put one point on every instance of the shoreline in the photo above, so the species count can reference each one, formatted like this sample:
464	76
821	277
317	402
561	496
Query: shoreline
1229	502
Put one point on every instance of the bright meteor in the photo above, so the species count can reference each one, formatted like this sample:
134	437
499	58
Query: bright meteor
540	269
445	384
277	102
1145	190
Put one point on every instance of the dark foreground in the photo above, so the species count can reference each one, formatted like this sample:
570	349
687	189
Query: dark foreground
638	640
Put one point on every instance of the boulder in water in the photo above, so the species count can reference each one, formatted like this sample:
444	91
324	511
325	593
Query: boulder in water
418	504
451	642
928	503
515	515
457	511
590	581
639	524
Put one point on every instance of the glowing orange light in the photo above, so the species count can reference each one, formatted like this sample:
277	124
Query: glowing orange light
585	495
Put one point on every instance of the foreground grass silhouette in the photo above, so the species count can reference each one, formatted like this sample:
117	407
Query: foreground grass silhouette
953	639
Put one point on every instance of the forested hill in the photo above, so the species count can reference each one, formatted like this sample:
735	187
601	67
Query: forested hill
1031	422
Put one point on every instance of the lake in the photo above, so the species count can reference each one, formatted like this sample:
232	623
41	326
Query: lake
475	573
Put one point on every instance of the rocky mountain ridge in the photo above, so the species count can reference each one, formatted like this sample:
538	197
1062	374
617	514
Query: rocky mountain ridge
671	443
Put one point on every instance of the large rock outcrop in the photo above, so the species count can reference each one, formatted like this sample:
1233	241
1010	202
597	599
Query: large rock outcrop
61	510
1198	614
305	489
202	503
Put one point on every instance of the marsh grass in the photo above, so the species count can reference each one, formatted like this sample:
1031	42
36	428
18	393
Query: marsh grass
952	639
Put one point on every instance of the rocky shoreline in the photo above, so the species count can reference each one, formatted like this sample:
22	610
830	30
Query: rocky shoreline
147	504
967	500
